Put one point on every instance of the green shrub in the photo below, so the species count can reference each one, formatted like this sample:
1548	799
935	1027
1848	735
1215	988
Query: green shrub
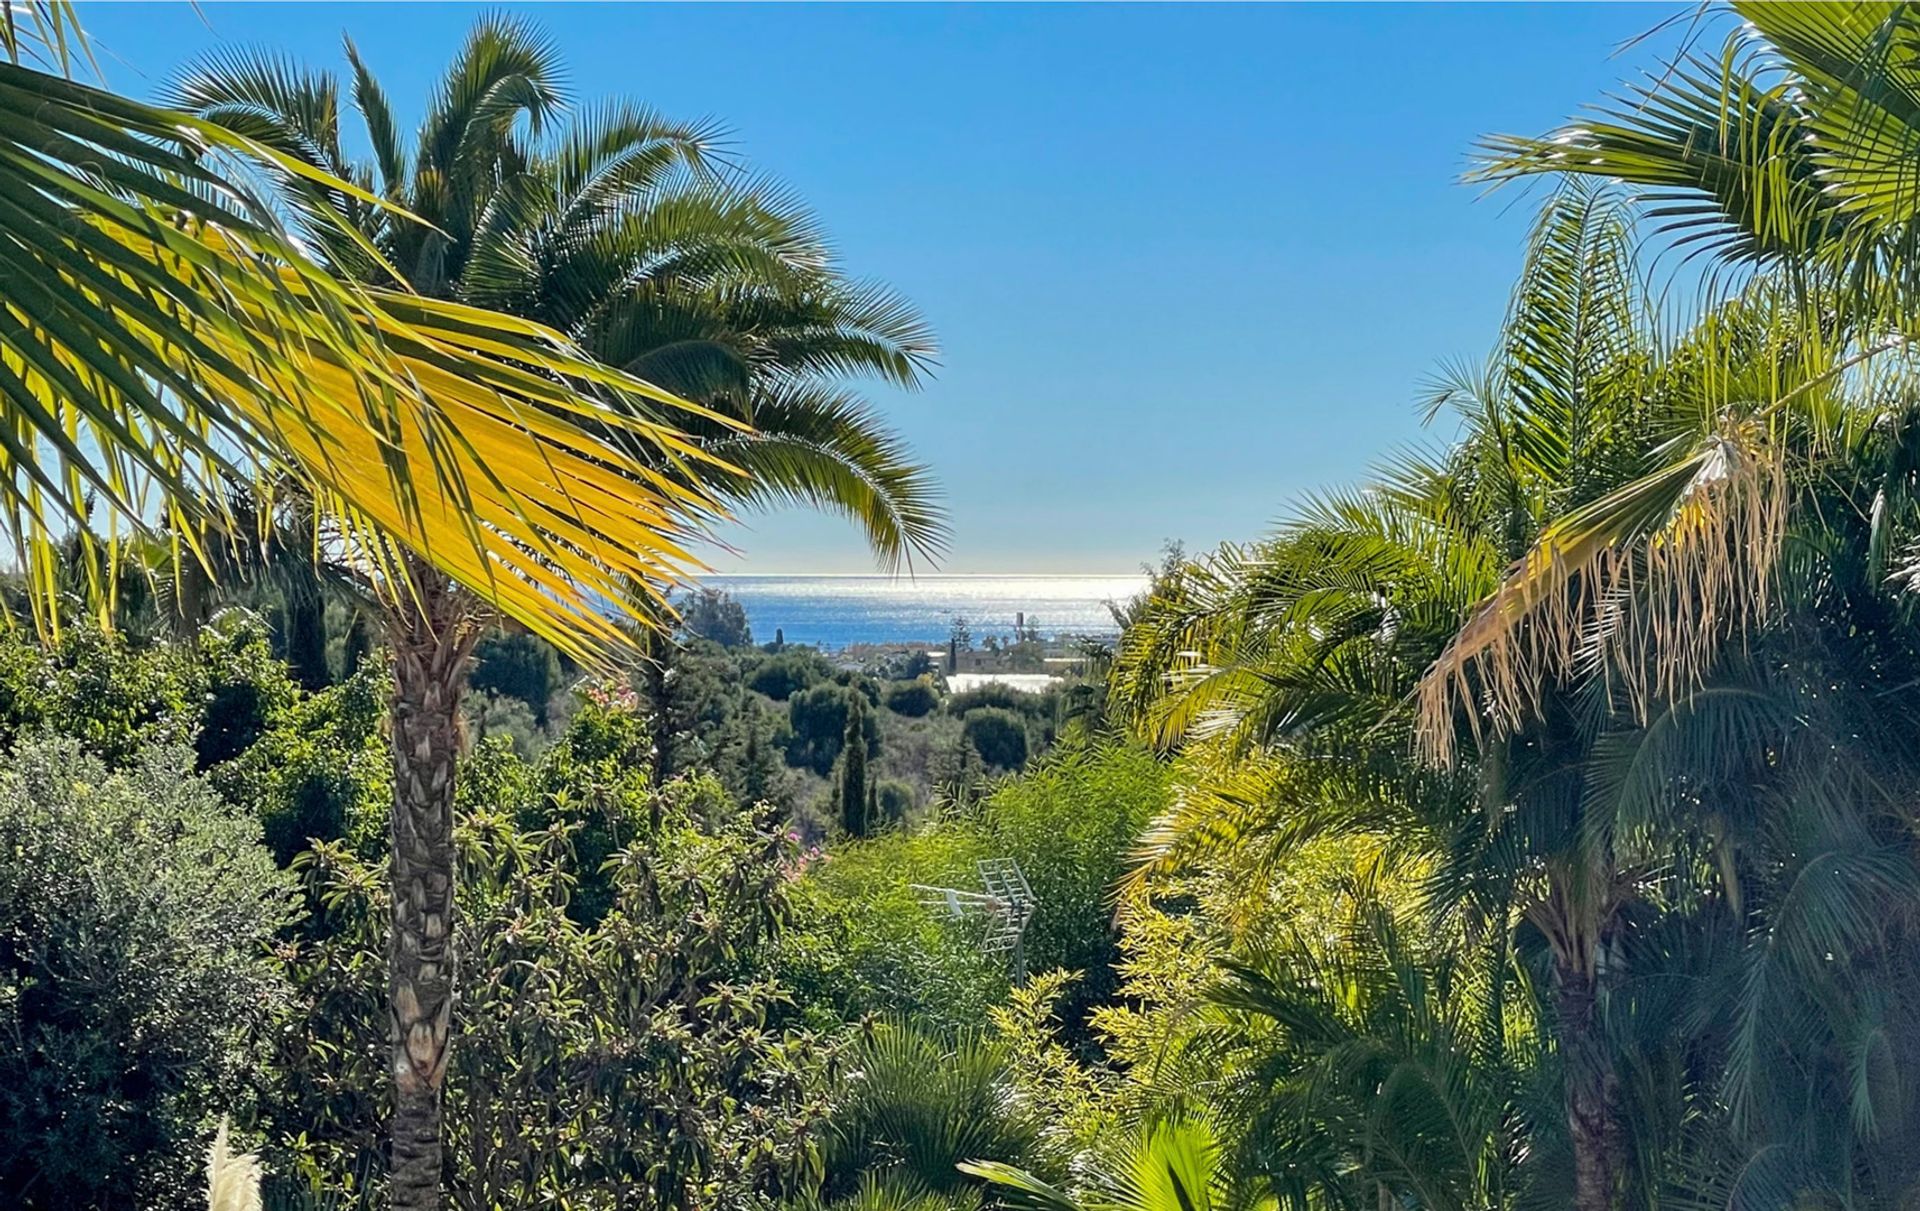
136	989
113	697
247	690
864	944
323	771
1000	737
912	698
518	665
896	800
787	672
1071	821
490	716
999	697
635	1061
593	782
219	693
818	719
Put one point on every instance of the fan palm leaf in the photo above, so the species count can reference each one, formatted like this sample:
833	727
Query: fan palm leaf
165	336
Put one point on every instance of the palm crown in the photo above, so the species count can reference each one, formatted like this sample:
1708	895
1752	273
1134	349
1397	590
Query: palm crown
634	236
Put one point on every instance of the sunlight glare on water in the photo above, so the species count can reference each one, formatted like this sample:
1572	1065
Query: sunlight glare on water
835	611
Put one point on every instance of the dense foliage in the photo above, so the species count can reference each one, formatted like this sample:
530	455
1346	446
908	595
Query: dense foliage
137	994
621	1045
862	943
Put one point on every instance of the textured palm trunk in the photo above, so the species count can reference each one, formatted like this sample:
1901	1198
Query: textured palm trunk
660	703
1592	1092
432	643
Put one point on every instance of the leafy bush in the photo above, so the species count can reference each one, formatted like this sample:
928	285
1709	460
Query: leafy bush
323	771
1071	822
999	697
896	800
518	665
594	782
789	671
912	698
218	693
635	1061
1000	737
135	983
862	944
246	690
866	945
818	718
113	696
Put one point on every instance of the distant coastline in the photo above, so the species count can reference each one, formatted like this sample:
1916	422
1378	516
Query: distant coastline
840	610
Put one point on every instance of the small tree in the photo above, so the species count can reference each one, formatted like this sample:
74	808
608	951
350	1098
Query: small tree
856	812
818	718
518	665
894	800
912	699
999	736
759	772
958	641
713	614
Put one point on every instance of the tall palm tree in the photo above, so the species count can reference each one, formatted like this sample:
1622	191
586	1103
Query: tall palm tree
633	235
1296	664
623	232
1786	160
162	332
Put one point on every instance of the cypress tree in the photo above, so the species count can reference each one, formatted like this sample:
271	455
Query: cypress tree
756	764
853	769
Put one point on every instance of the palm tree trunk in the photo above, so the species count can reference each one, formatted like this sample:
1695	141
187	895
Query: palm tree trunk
1592	1089
659	688
306	614
432	642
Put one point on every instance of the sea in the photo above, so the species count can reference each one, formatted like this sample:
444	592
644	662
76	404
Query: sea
840	611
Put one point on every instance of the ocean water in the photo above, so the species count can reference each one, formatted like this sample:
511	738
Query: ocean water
835	611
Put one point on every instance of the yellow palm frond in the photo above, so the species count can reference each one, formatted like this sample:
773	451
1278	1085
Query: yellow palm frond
1641	585
161	336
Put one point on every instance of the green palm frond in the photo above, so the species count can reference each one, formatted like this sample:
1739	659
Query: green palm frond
618	151
1723	152
633	236
913	1106
383	131
824	449
1173	1165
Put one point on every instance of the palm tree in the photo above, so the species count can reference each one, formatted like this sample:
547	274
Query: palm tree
631	234
1293	667
912	1106
1787	160
622	232
164	336
1368	1071
162	332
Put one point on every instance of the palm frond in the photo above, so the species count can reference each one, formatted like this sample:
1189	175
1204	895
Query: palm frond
824	449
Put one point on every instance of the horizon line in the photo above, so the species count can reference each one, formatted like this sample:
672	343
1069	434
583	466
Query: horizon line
928	575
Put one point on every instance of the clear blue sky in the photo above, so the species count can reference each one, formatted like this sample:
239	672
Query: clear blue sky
1185	263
